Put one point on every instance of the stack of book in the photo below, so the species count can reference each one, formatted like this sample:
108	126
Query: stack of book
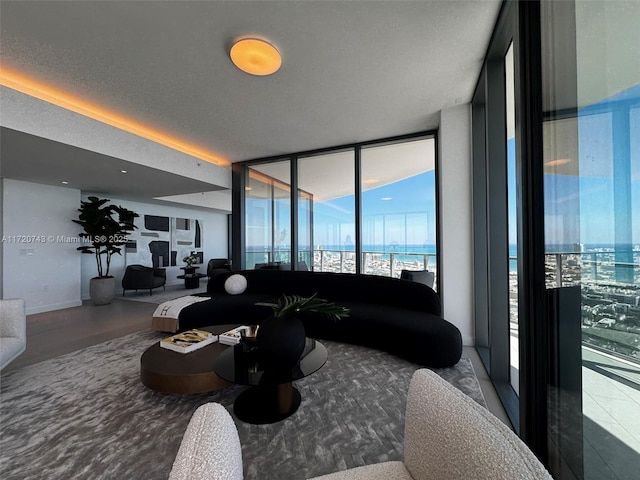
188	341
231	337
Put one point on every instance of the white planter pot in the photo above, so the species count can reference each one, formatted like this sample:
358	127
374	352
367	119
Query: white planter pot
102	290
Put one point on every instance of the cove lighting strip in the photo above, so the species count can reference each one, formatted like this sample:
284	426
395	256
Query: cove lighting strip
21	83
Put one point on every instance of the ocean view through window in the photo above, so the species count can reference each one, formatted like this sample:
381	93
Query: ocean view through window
364	209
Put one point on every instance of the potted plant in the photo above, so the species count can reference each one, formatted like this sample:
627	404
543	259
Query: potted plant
190	260
106	230
282	336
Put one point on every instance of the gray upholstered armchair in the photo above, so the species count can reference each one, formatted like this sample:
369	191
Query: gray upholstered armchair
13	330
447	435
420	276
139	277
218	265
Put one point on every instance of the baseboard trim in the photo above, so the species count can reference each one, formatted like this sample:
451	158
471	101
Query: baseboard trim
469	341
55	306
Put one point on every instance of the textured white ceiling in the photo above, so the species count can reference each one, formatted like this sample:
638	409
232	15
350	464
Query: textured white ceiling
352	70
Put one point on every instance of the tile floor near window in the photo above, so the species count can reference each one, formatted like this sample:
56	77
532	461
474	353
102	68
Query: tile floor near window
611	406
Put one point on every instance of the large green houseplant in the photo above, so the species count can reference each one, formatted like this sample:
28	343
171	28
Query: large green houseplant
106	230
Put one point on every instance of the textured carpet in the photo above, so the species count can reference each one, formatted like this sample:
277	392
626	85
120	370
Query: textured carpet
85	415
160	296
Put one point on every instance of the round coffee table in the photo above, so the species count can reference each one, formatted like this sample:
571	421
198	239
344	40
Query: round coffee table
272	396
167	371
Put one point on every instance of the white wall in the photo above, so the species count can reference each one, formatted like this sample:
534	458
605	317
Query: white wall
455	219
214	240
50	273
1	230
37	265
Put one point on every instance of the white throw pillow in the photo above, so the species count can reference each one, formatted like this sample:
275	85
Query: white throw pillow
235	284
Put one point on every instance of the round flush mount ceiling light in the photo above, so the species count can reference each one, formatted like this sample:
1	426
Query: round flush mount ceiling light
255	56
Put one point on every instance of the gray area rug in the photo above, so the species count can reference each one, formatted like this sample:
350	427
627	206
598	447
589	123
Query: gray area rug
85	415
160	296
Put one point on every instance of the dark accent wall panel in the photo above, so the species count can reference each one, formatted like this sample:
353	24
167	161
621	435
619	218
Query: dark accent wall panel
154	222
198	239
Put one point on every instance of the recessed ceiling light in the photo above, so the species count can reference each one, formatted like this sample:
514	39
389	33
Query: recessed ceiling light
386	199
370	181
123	171
255	56
64	182
557	163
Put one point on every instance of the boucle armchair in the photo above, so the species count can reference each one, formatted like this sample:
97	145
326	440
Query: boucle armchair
210	448
13	330
448	435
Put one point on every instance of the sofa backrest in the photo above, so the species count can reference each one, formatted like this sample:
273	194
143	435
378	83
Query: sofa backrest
337	287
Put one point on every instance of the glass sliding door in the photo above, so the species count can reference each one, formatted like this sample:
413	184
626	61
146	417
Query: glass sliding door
398	207
591	136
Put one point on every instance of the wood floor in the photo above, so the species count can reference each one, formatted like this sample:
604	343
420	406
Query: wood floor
55	333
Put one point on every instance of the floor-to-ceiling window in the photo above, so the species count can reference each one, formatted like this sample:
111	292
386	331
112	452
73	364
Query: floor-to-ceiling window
495	216
268	214
398	207
577	242
329	181
362	208
512	204
591	135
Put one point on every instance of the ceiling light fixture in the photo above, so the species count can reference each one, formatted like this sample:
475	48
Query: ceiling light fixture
386	199
370	181
254	55
65	182
557	163
24	84
123	171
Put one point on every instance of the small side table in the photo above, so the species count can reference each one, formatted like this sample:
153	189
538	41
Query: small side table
191	280
271	396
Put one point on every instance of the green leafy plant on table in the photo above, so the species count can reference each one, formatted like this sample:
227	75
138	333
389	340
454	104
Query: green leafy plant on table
190	260
288	305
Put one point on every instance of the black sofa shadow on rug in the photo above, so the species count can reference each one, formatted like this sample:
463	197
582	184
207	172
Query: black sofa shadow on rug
397	316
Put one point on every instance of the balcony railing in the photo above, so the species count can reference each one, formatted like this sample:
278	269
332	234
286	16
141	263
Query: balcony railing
388	264
610	297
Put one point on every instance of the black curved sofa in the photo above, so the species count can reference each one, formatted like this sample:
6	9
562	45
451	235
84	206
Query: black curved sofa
398	316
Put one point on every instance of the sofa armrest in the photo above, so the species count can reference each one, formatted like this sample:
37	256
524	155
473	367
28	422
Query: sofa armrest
13	321
449	435
160	272
210	448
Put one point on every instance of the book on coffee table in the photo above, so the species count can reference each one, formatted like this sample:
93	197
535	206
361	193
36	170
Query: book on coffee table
231	337
188	341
